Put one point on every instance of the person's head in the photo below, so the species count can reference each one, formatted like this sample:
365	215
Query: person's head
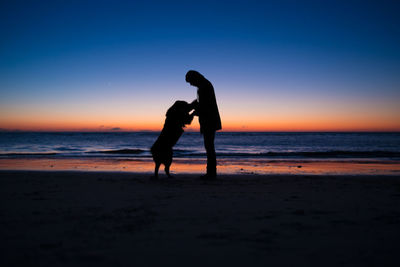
194	77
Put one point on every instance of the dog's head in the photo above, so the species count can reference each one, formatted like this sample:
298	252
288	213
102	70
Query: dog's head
179	111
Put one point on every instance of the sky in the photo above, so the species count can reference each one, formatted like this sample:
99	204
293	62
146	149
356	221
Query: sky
275	65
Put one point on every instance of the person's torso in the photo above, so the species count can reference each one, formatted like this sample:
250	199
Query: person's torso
208	109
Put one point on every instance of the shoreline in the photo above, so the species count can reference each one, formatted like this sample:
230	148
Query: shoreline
78	218
225	166
191	175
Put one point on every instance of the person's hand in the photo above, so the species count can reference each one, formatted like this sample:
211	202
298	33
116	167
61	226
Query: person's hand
194	113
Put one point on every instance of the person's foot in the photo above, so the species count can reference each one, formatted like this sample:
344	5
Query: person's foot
208	177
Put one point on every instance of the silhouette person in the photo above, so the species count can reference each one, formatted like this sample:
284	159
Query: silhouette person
206	108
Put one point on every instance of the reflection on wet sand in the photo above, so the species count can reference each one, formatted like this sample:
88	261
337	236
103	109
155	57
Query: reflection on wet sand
226	166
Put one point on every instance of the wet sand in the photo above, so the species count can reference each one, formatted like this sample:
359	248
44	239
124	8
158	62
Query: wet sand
59	218
197	166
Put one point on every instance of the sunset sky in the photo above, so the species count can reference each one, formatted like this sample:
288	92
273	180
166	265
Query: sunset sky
275	65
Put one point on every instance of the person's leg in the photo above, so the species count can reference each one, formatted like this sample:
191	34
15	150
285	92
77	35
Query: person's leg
209	137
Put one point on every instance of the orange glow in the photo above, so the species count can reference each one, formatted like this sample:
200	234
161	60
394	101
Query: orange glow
311	125
239	119
227	126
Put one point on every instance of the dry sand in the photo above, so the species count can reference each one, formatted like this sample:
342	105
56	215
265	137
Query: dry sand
125	219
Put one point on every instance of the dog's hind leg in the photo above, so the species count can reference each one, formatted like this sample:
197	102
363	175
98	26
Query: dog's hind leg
156	168
167	170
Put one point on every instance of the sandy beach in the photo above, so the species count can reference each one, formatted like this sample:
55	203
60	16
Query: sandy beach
67	218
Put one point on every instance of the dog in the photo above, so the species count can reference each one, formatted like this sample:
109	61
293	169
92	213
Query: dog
177	117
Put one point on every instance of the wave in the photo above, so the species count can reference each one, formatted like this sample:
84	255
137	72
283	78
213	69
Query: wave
319	154
62	148
29	154
297	154
118	151
182	153
339	153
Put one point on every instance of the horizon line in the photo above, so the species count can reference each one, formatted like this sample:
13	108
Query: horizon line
193	131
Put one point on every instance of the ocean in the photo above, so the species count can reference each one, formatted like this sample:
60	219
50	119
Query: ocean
244	147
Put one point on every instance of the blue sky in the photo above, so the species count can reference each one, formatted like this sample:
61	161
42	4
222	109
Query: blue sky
268	60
